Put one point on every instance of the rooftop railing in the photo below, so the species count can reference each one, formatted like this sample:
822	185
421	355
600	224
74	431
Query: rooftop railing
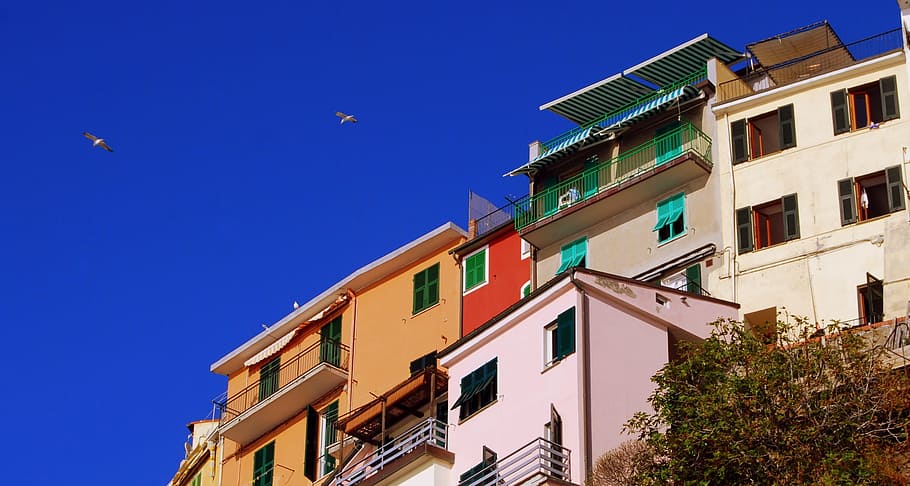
538	457
685	139
624	111
809	66
428	432
327	352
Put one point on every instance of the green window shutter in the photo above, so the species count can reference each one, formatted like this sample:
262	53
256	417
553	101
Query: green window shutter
268	378
581	253
589	178
787	126
738	139
420	281
565	334
693	279
745	242
433	285
791	217
330	342
263	465
663	214
840	111
475	270
847	201
550	198
526	290
895	188
890	108
573	254
426	288
330	416
311	443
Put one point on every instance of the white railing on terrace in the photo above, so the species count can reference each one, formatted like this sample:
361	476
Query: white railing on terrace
539	458
429	431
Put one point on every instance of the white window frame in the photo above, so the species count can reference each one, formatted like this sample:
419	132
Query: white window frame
486	270
525	249
521	292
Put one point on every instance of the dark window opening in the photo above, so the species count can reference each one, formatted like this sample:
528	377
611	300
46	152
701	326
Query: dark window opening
763	134
478	389
864	106
870	196
871	300
767	224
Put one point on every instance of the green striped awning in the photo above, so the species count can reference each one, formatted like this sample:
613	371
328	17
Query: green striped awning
623	88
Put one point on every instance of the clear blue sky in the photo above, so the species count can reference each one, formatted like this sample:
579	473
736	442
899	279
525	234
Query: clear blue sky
233	191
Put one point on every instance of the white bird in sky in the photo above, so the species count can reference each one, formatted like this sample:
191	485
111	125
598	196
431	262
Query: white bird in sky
296	305
97	142
345	118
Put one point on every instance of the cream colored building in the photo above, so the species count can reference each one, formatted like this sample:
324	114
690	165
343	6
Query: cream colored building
812	138
633	189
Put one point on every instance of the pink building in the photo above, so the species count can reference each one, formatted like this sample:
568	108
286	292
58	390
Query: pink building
545	387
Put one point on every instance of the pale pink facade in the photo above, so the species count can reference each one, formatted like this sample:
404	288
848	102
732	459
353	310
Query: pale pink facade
624	333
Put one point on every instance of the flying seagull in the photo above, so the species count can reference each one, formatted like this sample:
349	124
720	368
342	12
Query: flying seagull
345	118
97	142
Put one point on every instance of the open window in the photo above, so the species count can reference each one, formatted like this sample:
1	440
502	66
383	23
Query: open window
671	218
478	389
560	337
767	224
864	106
573	254
870	196
871	300
764	134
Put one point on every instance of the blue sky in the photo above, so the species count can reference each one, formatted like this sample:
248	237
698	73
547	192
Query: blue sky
233	191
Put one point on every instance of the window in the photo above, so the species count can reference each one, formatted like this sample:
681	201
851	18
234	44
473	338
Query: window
688	280
525	249
423	362
871	301
426	288
481	473
671	218
478	390
475	269
560	337
330	342
197	480
311	444
767	224
864	106
764	134
328	433
268	378
263	464
525	289
573	255
878	194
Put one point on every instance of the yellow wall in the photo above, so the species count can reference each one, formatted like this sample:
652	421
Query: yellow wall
389	336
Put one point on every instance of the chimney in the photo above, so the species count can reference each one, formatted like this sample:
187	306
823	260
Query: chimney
534	149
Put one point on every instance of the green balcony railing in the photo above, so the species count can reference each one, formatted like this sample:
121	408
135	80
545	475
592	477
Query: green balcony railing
685	139
622	112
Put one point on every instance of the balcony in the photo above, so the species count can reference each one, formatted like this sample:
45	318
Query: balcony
538	462
419	445
807	64
632	178
264	404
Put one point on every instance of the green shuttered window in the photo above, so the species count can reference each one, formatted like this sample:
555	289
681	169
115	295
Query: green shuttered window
426	288
475	269
478	389
263	465
671	219
864	106
573	254
562	336
268	378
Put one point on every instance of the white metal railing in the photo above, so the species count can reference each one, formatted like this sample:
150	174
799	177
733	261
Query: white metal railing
429	431
537	458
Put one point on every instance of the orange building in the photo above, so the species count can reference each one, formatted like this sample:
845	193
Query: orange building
288	385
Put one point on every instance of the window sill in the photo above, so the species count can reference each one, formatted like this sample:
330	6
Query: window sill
869	220
671	240
766	156
774	245
552	364
481	409
476	287
421	311
866	128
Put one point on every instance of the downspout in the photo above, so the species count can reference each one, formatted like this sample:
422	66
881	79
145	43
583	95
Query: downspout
582	317
353	297
220	464
734	250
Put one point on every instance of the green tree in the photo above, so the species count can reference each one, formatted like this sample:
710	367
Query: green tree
735	410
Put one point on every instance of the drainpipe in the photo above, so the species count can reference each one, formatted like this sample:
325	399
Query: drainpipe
220	464
735	249
581	317
353	297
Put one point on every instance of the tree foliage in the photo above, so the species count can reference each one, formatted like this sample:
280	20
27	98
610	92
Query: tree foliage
735	410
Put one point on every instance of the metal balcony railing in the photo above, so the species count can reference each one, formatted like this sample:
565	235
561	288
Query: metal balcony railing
686	139
538	457
624	111
429	431
327	352
809	66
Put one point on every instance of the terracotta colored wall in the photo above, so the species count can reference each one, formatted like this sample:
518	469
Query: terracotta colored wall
508	272
388	335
